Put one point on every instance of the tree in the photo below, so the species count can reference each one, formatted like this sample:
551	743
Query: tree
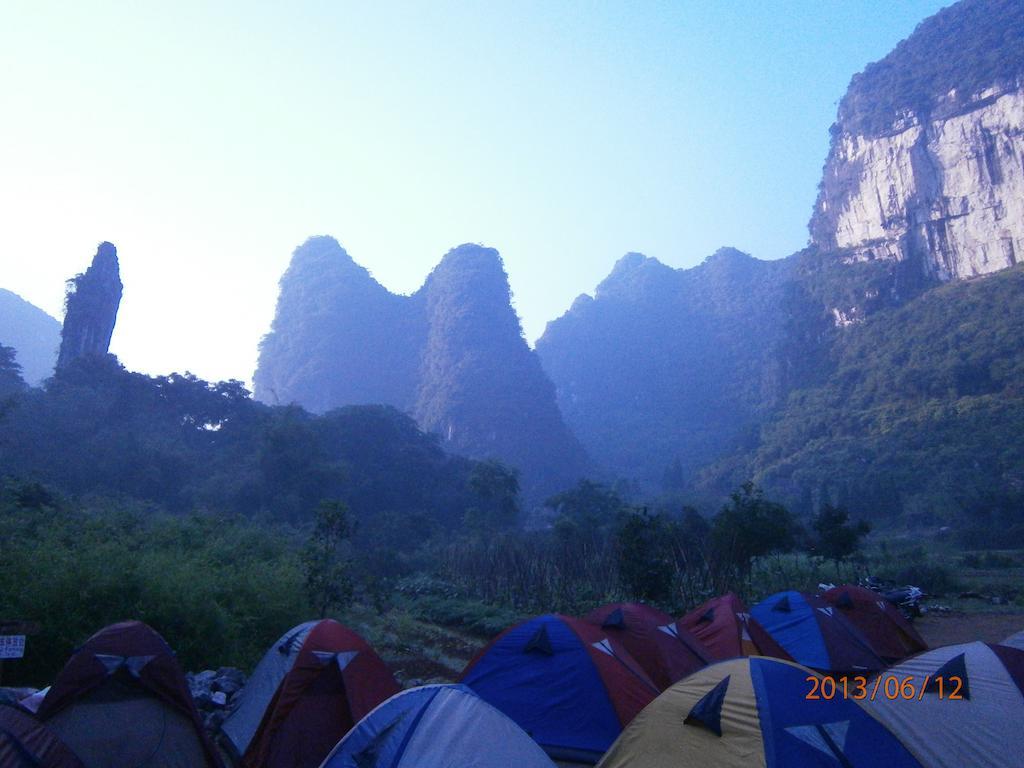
327	569
497	487
750	526
10	372
646	566
836	537
588	505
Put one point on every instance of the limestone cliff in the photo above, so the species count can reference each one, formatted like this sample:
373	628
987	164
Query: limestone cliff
452	354
926	165
91	306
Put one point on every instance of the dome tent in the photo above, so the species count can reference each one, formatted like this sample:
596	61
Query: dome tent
667	652
333	679
981	727
816	634
754	712
436	726
564	681
726	628
27	743
890	634
240	726
1015	641
122	699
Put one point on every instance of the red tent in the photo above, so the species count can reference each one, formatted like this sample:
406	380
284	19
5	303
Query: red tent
725	626
666	651
123	695
27	743
890	634
336	679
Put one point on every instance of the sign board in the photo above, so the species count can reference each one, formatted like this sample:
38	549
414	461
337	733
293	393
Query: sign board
12	646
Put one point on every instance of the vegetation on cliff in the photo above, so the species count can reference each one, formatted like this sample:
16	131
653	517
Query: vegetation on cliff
966	48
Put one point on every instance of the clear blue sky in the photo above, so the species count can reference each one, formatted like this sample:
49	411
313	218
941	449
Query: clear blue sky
207	140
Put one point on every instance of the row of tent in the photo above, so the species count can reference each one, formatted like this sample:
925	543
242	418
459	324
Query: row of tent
574	684
626	682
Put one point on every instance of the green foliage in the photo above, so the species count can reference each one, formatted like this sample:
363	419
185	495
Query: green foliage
917	566
327	567
182	443
497	487
916	419
220	589
966	48
836	537
587	507
750	526
10	372
646	556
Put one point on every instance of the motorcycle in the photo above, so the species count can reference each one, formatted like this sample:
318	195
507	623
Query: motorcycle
907	598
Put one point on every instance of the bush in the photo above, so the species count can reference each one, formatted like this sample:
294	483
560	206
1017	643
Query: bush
219	590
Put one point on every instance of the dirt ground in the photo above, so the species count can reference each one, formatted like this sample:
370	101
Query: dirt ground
958	627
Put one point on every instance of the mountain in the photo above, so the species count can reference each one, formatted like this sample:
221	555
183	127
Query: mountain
33	333
664	366
926	164
452	355
871	368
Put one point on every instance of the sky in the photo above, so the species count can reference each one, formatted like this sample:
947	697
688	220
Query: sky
207	140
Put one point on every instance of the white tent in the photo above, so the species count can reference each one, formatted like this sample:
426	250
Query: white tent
436	726
975	719
1015	641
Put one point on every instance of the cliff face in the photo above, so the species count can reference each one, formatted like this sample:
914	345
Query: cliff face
91	308
926	165
452	354
945	194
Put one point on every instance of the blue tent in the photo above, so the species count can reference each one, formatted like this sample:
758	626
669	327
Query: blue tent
567	683
816	634
436	726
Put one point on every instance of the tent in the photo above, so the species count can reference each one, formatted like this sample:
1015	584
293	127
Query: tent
240	726
975	720
27	743
122	700
437	726
666	651
816	634
333	679
564	681
888	631
726	628
755	711
1015	641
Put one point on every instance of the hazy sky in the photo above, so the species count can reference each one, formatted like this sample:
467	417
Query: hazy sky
207	140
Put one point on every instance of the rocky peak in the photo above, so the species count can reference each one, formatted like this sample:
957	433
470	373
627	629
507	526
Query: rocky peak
468	294
91	305
452	354
926	164
634	275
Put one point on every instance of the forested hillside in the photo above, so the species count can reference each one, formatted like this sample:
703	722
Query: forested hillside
179	443
919	416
